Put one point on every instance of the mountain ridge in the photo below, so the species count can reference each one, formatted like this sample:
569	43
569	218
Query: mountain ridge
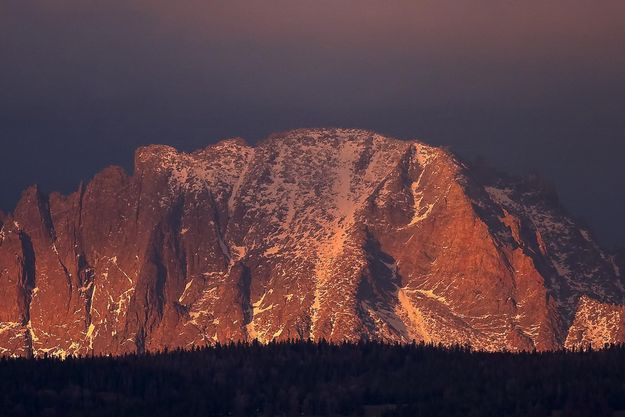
338	234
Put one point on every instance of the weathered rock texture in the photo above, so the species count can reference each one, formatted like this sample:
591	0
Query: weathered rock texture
335	234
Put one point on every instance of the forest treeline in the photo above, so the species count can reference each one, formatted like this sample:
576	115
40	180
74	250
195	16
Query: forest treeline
301	378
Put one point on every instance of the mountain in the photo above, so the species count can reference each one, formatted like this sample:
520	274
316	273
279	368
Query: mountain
321	233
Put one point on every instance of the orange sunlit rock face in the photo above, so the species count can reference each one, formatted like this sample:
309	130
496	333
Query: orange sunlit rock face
324	233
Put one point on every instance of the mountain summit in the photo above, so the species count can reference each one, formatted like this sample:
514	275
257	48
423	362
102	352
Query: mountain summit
321	233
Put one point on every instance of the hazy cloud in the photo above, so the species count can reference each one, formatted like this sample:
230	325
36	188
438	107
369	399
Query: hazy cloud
532	86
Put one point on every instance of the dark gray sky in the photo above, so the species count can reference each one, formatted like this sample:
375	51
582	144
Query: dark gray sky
532	86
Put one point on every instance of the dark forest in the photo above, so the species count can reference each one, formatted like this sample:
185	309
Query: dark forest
319	379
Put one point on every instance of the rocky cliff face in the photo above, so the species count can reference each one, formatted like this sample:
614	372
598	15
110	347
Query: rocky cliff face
335	234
